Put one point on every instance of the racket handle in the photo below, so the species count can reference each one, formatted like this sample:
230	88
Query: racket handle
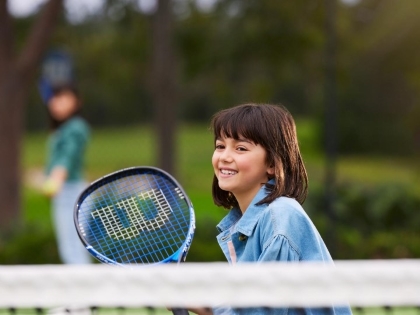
180	311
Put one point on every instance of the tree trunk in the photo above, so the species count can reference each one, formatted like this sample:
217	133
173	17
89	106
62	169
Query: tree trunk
164	85
16	73
11	116
331	115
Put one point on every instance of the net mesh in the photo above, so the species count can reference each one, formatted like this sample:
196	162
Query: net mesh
369	287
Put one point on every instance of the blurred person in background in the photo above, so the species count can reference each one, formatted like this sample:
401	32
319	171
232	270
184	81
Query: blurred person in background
64	170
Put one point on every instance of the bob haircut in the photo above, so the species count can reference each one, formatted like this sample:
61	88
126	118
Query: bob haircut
273	128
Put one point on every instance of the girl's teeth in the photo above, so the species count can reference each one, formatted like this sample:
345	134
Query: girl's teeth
228	172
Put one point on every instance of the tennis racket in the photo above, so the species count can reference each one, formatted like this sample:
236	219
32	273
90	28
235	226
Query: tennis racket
136	216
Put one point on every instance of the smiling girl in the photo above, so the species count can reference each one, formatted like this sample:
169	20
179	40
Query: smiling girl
259	176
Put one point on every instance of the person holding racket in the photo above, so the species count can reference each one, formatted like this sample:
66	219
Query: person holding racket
64	178
260	177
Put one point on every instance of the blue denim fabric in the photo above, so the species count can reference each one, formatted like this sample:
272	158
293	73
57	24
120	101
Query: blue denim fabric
70	247
279	231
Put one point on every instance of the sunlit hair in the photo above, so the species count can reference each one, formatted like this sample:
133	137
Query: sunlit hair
273	128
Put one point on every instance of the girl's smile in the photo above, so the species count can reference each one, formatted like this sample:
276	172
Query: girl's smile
240	167
227	172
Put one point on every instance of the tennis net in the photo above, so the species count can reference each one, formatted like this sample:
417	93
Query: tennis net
370	287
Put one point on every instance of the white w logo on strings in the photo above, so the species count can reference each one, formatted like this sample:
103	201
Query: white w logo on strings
137	221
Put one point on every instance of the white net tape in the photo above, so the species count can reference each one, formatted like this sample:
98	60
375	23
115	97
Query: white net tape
358	283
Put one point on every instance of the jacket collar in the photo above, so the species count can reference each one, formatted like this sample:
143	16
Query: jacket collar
245	223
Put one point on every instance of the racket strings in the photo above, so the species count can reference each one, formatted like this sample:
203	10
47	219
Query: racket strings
136	219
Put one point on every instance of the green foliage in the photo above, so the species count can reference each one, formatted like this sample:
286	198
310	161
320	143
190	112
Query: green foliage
370	222
31	241
28	244
204	247
379	78
255	51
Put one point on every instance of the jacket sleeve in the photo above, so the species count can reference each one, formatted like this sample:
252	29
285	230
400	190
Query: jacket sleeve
278	249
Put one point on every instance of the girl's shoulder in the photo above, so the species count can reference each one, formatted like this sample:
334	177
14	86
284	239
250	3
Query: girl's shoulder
285	212
76	125
78	122
283	205
288	219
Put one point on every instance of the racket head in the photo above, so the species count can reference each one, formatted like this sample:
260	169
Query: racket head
135	216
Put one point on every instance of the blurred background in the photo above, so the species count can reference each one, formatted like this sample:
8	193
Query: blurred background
152	73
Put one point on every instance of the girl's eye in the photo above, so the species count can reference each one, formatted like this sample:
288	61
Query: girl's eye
241	149
219	146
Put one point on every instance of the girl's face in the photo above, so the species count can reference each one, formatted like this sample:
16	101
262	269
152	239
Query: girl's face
63	105
240	167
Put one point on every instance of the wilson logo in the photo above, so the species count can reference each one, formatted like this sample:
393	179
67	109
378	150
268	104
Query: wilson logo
129	217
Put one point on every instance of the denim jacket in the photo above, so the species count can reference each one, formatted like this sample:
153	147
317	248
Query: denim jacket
279	231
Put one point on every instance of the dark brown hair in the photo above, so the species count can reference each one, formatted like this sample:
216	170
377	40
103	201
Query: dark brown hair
273	128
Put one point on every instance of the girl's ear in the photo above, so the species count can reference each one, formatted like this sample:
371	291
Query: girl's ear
270	171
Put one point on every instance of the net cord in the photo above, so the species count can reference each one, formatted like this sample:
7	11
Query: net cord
356	283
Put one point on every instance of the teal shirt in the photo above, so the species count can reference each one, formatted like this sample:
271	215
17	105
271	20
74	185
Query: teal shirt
67	146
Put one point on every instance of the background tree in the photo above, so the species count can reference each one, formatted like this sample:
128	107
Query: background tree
164	84
16	73
380	78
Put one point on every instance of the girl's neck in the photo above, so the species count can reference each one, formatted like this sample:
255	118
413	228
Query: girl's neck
244	202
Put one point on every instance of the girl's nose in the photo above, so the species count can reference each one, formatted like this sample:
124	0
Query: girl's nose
226	156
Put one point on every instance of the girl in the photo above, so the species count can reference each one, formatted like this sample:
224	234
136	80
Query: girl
259	176
64	181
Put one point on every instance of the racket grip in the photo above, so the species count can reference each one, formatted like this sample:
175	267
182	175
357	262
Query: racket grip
180	311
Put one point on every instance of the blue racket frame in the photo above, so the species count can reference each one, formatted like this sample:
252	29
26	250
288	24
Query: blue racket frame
97	190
